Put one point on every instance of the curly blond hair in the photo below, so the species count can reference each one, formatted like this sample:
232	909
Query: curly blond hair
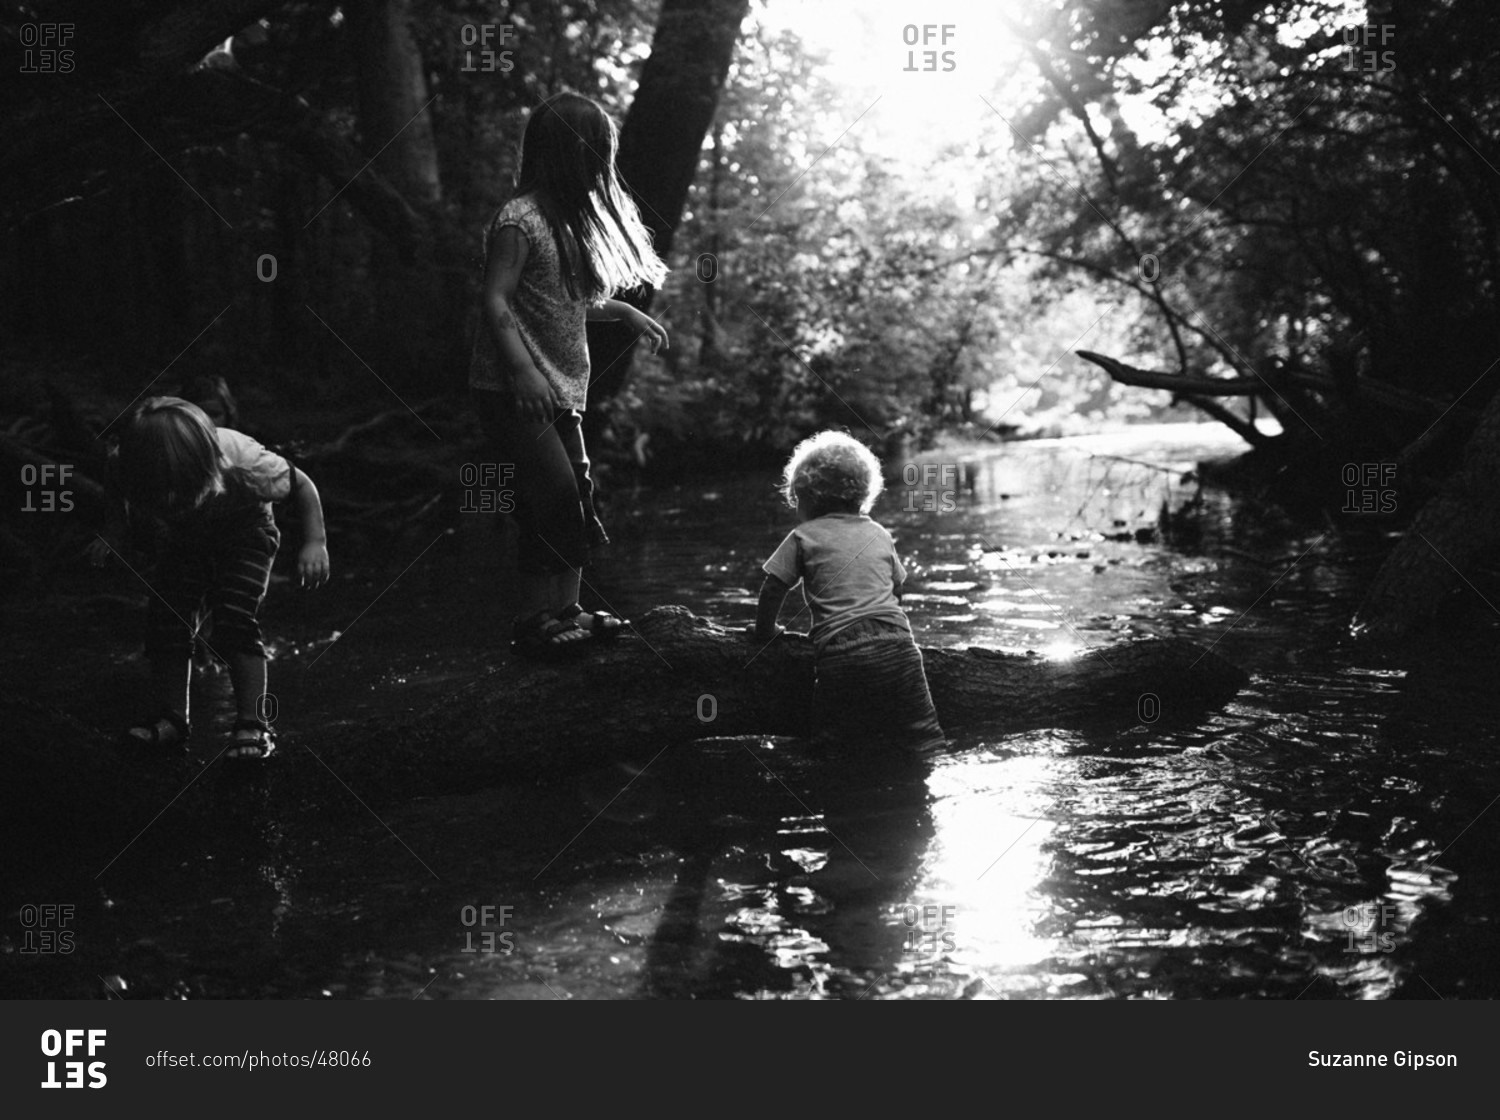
833	473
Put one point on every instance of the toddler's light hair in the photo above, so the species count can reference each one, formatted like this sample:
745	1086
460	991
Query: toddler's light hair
169	457
833	473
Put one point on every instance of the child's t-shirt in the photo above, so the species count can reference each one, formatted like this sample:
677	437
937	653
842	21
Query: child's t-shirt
264	473
849	569
255	476
551	323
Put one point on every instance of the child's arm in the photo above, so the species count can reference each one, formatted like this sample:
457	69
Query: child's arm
532	391
639	321
312	561
773	593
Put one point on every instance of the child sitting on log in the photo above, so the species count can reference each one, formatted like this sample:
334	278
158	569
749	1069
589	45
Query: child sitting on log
198	500
870	680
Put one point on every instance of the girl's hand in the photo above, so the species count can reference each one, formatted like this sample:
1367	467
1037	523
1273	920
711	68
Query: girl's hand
533	395
649	328
312	564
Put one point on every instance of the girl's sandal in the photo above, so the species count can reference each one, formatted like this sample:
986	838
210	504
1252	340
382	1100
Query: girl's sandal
544	638
253	740
165	731
602	627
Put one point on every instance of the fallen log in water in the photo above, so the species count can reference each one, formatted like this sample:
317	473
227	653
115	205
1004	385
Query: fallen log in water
672	679
678	677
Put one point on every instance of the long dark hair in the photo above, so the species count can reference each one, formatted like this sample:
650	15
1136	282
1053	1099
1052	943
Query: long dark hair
568	164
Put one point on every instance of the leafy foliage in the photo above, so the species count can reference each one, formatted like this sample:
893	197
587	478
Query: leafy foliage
1316	184
1216	187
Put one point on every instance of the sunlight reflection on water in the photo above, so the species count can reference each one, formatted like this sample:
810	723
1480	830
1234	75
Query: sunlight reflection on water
1212	858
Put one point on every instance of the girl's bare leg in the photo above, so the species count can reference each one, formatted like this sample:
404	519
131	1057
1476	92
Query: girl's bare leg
536	595
247	671
565	588
170	678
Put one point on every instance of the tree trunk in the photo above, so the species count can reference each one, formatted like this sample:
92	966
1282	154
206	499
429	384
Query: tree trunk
1456	527
1288	396
394	124
395	131
662	142
710	352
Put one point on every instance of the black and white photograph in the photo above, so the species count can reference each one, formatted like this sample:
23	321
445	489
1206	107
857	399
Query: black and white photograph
748	500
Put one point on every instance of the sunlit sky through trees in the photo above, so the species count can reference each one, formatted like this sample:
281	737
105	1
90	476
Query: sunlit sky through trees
929	75
920	74
938	94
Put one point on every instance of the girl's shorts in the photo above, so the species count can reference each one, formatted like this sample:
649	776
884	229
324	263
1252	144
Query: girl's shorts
226	577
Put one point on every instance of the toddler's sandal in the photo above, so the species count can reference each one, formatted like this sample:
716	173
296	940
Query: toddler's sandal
165	731
252	741
603	626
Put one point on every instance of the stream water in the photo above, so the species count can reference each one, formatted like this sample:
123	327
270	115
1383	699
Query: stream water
1324	835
